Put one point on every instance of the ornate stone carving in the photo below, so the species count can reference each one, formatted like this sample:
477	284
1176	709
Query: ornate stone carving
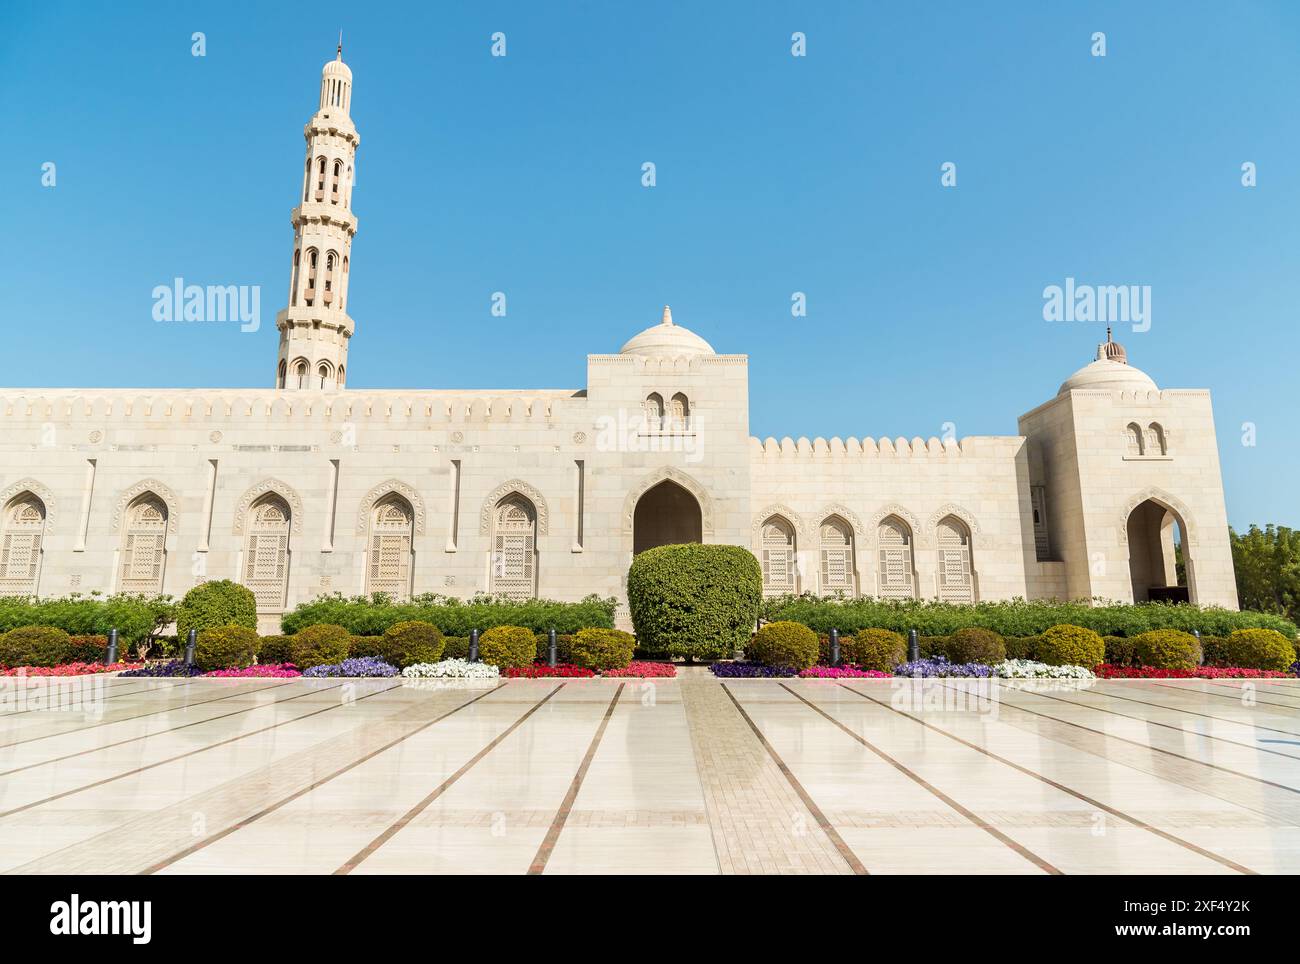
579	438
845	513
36	489
669	474
952	508
140	488
407	492
1153	494
95	436
785	512
504	489
255	492
919	535
214	437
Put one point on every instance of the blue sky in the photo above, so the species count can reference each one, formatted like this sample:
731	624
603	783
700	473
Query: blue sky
775	174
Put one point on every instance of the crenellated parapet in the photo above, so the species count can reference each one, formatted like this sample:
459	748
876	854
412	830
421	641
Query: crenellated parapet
932	448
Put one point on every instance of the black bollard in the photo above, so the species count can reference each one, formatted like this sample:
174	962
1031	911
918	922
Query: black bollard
191	640
835	647
913	646
110	657
552	649
473	645
1199	648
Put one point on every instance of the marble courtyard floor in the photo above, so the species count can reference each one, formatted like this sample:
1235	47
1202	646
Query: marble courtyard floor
691	775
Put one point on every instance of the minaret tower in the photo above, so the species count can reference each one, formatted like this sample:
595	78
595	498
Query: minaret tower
315	329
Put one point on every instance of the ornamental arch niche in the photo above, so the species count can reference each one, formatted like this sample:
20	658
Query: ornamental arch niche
666	514
1161	551
681	479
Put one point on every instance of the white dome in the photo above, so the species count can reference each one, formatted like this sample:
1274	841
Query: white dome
667	340
1111	370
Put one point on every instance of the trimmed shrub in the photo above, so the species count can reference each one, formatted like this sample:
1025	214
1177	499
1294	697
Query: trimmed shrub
405	644
1167	649
136	618
1021	647
91	649
694	601
363	646
975	645
457	647
930	645
601	649
1260	649
275	650
508	646
878	649
212	604
36	646
371	615
225	647
784	644
563	647
1067	645
322	645
1119	651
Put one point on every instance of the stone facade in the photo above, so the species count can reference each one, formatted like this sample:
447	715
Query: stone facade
311	488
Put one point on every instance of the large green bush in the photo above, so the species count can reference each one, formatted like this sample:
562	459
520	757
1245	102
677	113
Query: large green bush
602	648
1167	649
225	647
457	647
1260	649
694	601
1015	617
786	644
320	645
976	645
35	646
878	649
405	644
273	650
508	646
362	646
217	603
371	615
138	619
1071	646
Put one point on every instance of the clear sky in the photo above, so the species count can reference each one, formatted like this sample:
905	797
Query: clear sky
775	174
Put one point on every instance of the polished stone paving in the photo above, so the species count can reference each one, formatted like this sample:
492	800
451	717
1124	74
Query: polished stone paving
691	775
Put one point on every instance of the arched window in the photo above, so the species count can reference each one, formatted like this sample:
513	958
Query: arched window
20	551
680	411
300	373
1136	444
144	538
388	566
1156	439
293	283
320	179
334	187
280	375
266	551
323	373
306	181
514	548
895	540
310	294
331	259
778	558
837	556
956	579
654	412
342	374
343	285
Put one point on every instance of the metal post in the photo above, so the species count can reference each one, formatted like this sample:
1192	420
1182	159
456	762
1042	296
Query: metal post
473	645
913	646
110	657
552	649
191	640
835	647
1199	648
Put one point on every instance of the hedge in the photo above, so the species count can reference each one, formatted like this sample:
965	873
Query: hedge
35	646
320	645
1014	618
695	601
508	647
217	603
405	644
372	615
783	644
225	647
601	649
136	618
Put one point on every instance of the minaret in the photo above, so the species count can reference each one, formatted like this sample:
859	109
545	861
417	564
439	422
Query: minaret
315	329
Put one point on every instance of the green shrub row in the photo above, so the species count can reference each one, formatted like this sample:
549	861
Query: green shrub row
136	618
372	615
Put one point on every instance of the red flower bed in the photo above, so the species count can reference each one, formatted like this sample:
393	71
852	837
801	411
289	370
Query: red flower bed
540	670
67	669
643	670
1107	671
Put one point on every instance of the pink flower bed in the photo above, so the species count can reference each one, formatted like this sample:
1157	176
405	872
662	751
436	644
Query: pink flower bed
1107	671
643	670
67	669
270	670
841	672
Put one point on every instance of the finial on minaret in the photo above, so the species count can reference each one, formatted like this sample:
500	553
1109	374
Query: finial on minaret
668	315
340	55
1108	338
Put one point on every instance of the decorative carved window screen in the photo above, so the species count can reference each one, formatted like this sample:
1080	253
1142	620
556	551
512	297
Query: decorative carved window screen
895	539
389	565
514	555
955	581
144	546
20	553
266	552
779	567
837	556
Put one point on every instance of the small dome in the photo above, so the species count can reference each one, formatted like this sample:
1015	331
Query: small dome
667	340
1110	370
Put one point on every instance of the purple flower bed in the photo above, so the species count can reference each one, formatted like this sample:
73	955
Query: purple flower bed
173	667
360	666
745	670
938	666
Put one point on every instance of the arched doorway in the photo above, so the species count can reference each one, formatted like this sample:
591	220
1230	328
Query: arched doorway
1160	566
666	515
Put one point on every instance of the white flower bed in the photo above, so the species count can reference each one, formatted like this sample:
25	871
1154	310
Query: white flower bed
452	669
1029	669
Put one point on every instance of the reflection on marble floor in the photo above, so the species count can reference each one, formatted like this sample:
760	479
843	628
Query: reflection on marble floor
667	776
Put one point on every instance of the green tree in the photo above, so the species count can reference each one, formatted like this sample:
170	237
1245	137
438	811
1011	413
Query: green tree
1268	569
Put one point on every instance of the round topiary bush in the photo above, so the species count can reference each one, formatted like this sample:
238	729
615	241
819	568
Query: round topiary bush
274	650
601	649
976	645
321	645
363	646
878	649
456	647
36	646
225	647
507	646
563	642
408	643
1167	649
1066	645
694	601
785	644
212	604
1260	649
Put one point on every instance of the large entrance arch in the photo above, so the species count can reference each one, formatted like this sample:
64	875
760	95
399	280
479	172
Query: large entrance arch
1159	561
666	514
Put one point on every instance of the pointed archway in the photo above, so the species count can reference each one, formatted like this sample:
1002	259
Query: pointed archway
1159	557
666	514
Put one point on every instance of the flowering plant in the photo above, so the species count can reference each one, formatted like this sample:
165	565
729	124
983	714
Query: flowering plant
172	667
841	672
451	669
358	666
267	670
938	666
1107	671
643	670
67	669
540	670
745	670
1030	669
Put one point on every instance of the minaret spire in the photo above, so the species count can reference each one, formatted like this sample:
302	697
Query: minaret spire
340	55
668	316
